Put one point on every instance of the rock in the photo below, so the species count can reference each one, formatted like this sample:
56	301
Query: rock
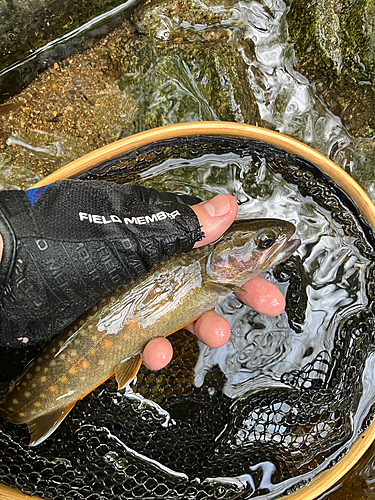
188	18
334	43
129	82
176	81
28	25
69	110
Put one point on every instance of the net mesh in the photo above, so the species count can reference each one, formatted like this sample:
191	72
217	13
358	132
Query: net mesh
113	446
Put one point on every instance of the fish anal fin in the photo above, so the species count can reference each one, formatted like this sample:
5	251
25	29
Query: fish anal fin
127	370
46	424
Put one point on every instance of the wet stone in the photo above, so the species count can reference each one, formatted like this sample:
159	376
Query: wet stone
183	81
126	84
164	19
334	43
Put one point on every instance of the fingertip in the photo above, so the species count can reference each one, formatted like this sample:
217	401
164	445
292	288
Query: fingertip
157	353
212	329
263	296
215	216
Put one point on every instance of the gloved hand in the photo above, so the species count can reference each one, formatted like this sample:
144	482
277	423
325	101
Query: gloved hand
80	240
76	243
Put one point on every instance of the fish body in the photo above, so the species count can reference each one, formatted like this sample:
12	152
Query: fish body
108	339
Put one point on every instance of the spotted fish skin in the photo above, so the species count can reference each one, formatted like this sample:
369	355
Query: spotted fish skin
109	338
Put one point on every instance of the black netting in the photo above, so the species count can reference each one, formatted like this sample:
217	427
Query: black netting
112	446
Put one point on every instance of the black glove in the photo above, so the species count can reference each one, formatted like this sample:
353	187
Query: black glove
79	241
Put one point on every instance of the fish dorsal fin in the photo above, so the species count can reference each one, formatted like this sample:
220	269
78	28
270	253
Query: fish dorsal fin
45	425
127	370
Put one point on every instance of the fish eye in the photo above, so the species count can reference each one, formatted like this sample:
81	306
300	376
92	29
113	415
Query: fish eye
265	238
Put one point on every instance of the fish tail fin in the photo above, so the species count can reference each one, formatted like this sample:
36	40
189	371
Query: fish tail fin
127	370
45	425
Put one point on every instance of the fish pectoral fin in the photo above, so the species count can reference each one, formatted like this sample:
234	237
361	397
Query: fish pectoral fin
237	289
232	288
45	425
127	370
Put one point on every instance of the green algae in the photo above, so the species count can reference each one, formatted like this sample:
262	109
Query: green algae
127	83
181	64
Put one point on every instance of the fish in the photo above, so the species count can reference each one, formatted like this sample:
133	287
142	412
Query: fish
109	338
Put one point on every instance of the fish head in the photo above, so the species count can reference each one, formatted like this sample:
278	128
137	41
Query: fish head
249	247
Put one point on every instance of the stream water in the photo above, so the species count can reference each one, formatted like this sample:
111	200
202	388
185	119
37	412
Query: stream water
168	65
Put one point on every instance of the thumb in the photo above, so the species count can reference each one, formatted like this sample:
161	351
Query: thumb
215	216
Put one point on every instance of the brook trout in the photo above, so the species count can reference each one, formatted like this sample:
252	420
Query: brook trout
109	338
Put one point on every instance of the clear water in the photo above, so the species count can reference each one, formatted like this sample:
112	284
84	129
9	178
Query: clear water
335	270
262	349
286	100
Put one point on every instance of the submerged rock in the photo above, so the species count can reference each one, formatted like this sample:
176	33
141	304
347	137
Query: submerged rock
183	64
127	83
334	43
177	81
190	19
69	110
28	25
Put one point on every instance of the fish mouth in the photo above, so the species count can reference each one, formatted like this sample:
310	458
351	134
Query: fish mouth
284	250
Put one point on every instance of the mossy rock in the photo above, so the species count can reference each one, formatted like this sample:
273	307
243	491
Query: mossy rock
334	43
179	81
